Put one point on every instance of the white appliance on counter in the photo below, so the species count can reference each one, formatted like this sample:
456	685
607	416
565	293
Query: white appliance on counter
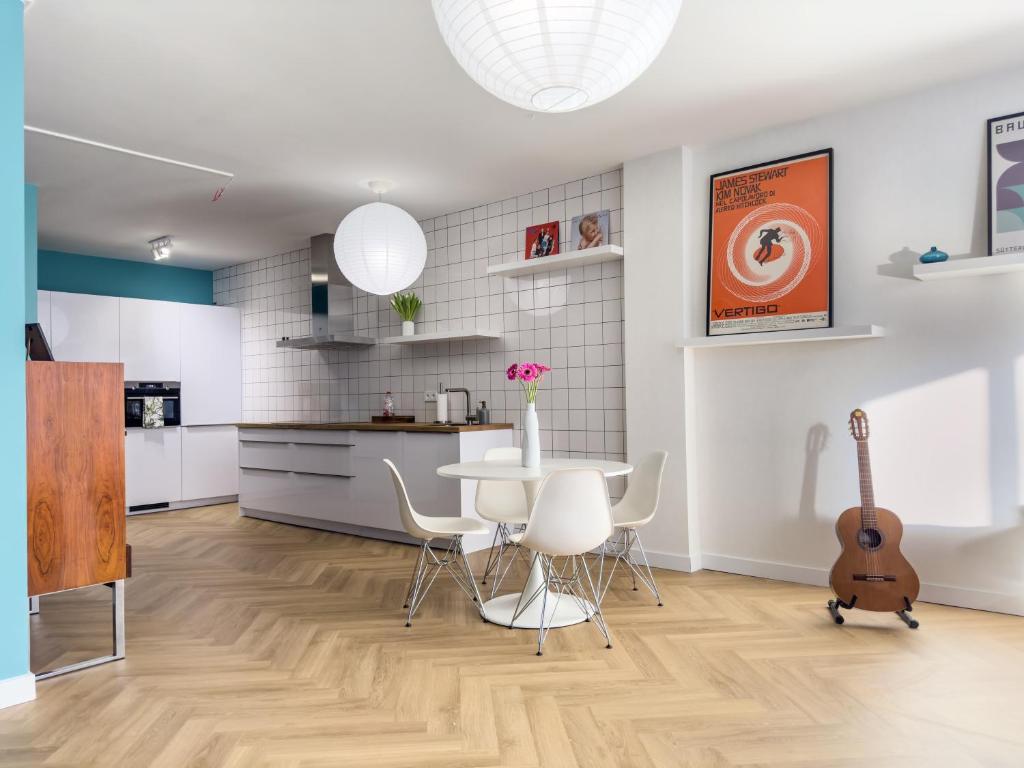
171	467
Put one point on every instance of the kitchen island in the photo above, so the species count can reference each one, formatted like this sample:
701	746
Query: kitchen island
332	477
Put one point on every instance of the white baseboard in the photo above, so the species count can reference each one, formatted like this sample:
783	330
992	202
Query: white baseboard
669	560
766	569
943	594
17	690
977	599
186	504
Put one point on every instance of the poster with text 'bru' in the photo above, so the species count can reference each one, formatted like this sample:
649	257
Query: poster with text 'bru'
1006	184
770	247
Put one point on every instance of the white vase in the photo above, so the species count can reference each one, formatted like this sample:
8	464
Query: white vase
408	328
531	437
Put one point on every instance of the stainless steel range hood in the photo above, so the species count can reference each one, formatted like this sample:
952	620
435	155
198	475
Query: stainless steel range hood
333	322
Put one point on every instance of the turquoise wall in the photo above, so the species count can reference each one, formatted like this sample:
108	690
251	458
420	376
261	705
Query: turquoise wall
31	251
75	273
13	547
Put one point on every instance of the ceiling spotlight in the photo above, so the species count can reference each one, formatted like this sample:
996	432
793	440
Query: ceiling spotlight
161	247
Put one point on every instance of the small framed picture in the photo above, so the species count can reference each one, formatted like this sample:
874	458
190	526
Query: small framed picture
590	230
542	240
1006	184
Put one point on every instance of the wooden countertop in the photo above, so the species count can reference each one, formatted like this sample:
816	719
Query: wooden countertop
365	426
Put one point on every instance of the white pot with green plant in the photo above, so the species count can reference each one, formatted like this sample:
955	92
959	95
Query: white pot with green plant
407	305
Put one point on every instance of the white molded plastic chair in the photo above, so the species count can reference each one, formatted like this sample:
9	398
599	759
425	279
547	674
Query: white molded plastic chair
634	511
502	502
427	528
570	517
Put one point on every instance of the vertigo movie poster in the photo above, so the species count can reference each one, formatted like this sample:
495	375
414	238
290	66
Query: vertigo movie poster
1006	184
770	247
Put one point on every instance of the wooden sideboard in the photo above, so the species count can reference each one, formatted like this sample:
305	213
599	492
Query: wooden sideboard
76	497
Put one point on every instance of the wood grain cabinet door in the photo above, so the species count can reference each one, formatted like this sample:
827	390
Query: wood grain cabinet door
76	502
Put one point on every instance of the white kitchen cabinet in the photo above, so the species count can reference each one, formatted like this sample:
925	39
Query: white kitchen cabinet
335	479
152	466
151	340
209	462
43	314
84	328
211	365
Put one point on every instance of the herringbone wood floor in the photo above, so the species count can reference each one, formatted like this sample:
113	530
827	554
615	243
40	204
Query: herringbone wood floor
255	644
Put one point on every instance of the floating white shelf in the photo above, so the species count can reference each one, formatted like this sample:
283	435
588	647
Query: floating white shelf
784	337
558	261
427	338
971	267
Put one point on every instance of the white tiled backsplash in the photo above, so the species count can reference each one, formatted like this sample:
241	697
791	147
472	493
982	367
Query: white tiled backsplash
570	319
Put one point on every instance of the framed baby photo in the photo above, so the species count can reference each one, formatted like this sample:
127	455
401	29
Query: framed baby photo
590	230
542	240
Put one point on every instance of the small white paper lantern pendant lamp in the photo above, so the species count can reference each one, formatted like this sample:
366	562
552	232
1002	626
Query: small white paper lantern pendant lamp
379	247
555	55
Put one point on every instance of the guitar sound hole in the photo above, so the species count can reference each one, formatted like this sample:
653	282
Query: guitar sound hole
869	538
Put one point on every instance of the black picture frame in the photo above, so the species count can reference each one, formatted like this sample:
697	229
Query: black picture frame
829	153
988	175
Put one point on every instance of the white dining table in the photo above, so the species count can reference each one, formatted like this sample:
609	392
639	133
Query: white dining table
500	610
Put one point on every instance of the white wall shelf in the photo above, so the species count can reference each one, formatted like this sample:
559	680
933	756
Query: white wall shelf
559	261
971	267
427	338
784	337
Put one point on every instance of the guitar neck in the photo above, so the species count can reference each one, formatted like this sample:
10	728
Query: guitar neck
868	516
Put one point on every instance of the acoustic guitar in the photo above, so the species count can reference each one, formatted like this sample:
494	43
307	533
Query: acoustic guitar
871	572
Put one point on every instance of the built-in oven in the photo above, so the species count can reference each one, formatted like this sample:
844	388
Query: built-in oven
152	404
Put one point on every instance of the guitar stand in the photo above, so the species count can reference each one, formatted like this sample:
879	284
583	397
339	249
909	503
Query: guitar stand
833	608
904	614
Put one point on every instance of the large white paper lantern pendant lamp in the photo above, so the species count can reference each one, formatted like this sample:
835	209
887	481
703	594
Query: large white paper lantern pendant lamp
555	55
379	247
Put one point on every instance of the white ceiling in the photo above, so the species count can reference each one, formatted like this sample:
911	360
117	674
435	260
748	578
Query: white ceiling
306	100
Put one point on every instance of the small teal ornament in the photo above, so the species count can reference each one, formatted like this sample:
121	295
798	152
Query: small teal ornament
933	256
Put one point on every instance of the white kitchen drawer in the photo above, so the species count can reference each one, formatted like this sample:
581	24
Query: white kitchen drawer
322	459
260	455
305	436
325	497
266	491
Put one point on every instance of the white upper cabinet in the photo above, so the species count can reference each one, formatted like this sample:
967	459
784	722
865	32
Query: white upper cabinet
211	365
151	340
43	315
83	328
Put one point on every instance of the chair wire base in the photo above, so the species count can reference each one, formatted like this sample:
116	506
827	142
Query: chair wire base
622	548
572	578
499	546
429	565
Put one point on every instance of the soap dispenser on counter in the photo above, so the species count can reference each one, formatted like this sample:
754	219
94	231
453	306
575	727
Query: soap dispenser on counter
483	416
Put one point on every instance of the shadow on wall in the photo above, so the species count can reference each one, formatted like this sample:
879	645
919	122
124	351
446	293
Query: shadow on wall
901	263
811	530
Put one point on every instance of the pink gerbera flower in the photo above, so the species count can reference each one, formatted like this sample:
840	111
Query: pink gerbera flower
512	371
528	372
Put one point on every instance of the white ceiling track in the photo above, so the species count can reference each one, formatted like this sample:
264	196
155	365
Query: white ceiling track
134	153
